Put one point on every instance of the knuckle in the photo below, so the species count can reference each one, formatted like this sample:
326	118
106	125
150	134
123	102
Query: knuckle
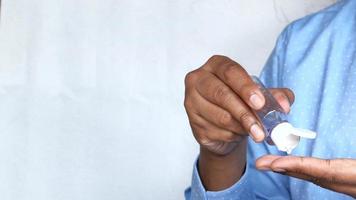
196	124
222	94
225	119
245	117
330	176
216	61
229	72
215	58
198	131
190	78
188	105
328	162
299	168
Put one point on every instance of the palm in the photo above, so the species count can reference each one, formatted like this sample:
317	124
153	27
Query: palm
338	175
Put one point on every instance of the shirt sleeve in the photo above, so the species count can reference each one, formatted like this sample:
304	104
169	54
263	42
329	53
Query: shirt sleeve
254	184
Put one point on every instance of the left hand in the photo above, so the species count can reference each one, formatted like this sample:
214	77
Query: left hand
338	175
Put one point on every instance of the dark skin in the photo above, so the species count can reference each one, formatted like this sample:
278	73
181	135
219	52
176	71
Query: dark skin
220	99
338	175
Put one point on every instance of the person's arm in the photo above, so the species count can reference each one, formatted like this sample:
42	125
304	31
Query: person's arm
220	172
217	176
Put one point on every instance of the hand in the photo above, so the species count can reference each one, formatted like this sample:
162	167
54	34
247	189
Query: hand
219	99
338	175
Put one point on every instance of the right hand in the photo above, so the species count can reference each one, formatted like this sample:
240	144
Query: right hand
220	98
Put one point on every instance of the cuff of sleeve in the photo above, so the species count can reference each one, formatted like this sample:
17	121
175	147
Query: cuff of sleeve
236	191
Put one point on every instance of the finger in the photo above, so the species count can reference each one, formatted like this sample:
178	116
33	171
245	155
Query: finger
215	91
342	188
264	162
206	132
232	74
284	97
349	189
216	115
331	171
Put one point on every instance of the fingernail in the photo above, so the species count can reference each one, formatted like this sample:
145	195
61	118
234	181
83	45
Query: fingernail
256	101
278	170
256	132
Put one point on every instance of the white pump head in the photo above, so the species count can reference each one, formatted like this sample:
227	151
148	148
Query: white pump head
286	137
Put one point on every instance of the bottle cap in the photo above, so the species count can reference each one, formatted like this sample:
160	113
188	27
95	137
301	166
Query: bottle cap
286	137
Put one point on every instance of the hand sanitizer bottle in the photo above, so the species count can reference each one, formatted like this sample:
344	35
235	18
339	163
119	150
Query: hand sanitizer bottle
278	130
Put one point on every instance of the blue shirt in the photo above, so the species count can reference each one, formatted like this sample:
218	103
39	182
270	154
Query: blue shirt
315	57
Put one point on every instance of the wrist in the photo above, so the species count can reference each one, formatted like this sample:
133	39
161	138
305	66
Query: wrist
219	172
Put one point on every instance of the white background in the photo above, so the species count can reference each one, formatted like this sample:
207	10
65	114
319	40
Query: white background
91	92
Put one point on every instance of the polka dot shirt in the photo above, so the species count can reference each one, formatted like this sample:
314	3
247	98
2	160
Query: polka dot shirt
316	58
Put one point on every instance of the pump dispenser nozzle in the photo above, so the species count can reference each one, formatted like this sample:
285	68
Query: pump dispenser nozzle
278	130
286	137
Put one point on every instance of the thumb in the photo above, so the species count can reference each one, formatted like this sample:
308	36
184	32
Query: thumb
284	96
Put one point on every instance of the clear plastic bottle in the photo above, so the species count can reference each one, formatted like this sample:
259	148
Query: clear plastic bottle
278	130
